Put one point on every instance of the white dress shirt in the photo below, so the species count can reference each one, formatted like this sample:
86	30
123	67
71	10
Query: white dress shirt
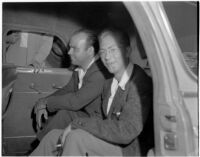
81	72
114	86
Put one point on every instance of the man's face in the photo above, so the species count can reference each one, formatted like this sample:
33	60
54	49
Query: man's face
78	49
111	55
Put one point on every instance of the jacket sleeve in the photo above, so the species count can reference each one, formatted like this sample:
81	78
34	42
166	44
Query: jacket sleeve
90	90
69	87
120	130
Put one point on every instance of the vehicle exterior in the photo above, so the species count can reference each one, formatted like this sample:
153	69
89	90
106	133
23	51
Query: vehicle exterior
175	85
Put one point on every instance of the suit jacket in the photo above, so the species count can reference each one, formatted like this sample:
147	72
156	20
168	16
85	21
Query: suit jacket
127	115
87	98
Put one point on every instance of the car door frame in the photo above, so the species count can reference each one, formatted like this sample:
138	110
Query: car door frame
174	83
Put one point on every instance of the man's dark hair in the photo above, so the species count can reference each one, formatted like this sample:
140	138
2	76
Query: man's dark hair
92	39
120	35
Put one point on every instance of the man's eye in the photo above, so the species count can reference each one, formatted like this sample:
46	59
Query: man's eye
101	52
76	49
113	50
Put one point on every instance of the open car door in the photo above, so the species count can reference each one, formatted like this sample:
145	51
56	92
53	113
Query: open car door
175	83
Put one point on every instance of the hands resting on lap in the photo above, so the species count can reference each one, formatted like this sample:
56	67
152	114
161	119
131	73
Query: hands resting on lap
40	110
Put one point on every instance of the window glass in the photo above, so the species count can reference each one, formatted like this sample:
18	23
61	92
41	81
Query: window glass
34	49
183	19
58	56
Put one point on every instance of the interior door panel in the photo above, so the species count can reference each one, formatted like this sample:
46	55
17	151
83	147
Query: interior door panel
18	131
42	81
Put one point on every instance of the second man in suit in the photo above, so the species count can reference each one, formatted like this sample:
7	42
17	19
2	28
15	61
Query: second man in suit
81	96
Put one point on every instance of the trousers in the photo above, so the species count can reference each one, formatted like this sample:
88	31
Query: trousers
78	143
60	121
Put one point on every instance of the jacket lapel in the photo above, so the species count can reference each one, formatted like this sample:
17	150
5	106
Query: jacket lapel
117	101
119	98
76	81
106	95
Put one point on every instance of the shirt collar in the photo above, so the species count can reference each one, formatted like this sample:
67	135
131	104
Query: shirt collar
126	76
93	60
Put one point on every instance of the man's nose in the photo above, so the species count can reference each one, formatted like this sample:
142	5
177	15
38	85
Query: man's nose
107	55
70	52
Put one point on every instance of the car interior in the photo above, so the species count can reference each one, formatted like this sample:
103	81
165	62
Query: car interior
54	23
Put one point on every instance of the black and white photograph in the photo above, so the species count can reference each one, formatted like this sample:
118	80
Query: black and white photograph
100	78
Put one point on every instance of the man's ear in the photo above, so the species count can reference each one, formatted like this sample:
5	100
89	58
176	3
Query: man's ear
91	51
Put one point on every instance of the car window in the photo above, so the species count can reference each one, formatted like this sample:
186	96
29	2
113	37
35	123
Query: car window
27	48
183	19
58	56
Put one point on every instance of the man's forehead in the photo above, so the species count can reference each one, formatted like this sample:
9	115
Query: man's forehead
108	40
78	38
107	34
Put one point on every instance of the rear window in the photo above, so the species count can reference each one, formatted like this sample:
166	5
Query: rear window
31	49
183	19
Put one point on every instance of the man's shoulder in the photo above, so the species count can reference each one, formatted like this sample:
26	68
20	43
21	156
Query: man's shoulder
139	74
140	79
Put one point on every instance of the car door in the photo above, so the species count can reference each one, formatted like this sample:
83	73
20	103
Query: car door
175	85
28	88
18	119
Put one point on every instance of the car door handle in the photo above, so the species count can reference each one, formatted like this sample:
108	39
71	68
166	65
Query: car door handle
54	86
32	86
171	118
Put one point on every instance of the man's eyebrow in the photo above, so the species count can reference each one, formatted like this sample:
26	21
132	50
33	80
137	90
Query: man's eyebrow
112	46
109	47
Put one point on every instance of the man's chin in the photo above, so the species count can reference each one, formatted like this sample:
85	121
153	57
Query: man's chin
73	62
111	70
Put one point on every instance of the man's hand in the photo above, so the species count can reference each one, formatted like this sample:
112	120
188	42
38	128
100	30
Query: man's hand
37	66
64	134
40	110
39	115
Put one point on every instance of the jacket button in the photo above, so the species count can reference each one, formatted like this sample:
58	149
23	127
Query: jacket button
80	123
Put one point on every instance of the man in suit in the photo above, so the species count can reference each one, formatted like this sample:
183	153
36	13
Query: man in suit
81	96
127	99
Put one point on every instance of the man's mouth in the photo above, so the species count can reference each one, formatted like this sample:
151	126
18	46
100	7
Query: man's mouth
109	63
